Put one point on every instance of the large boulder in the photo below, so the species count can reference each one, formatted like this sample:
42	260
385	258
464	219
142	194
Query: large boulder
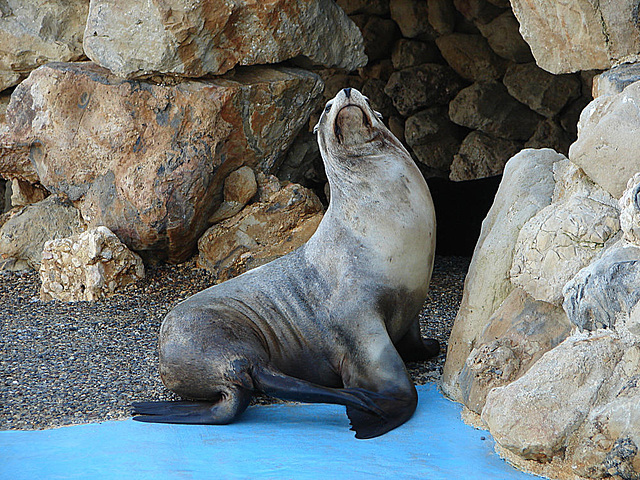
134	39
579	35
86	267
35	32
527	187
565	236
148	160
608	139
25	231
283	218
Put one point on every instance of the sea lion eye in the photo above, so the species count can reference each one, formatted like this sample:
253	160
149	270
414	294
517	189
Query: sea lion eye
328	107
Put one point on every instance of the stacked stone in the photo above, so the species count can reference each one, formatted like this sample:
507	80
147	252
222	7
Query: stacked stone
457	83
142	138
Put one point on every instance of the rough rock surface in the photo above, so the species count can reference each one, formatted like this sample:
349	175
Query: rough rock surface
526	187
504	38
134	39
371	7
565	236
517	335
579	35
433	138
630	210
86	267
607	288
535	415
550	134
487	106
412	17
283	220
25	232
441	15
239	187
614	81
148	160
25	193
411	53
471	57
427	85
482	156
35	32
608	139
541	91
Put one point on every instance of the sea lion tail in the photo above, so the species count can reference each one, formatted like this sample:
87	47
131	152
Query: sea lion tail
371	414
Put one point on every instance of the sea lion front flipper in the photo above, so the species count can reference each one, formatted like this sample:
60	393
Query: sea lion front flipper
413	348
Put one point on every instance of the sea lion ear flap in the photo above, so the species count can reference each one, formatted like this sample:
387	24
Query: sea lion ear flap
315	129
378	114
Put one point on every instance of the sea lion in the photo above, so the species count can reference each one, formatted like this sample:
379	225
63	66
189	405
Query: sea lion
324	323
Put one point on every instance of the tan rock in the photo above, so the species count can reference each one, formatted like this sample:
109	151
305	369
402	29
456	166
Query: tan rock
517	335
25	231
608	139
471	57
482	156
25	193
239	187
35	32
630	210
261	232
580	34
148	160
526	188
134	39
87	267
412	18
615	80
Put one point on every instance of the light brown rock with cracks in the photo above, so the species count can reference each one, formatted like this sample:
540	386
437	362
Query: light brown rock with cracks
86	267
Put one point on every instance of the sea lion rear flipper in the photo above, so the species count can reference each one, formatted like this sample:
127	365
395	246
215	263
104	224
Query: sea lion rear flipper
233	401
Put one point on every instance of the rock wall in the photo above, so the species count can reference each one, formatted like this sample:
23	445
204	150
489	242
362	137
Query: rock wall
545	347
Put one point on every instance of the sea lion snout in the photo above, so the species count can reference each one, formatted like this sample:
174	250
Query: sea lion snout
352	126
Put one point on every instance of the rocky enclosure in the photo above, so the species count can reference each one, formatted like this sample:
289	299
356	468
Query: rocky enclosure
184	128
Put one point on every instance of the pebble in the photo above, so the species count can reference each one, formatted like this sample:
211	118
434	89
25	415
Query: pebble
73	363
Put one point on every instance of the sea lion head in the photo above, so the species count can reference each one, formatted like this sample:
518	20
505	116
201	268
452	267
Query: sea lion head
350	128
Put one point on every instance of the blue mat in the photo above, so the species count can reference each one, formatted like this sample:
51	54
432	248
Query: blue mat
269	442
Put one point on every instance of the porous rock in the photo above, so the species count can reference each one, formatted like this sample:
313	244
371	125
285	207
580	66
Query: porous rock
526	187
536	415
482	156
604	290
442	16
579	35
35	32
487	106
608	139
86	267
148	160
412	18
411	53
134	39
565	236
630	210
25	231
282	220
517	335
378	34
427	85
541	91
471	57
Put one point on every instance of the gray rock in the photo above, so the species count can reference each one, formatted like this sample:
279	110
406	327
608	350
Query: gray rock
608	140
504	38
515	338
412	17
303	163
482	156
615	80
526	187
23	235
487	106
379	36
35	32
433	138
544	93
373	89
550	134
630	210
605	289
427	85
411	53
471	57
134	39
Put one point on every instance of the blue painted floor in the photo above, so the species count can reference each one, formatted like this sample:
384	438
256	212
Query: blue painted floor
269	442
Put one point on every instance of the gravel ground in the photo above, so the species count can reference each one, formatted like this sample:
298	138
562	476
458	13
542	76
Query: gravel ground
64	364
